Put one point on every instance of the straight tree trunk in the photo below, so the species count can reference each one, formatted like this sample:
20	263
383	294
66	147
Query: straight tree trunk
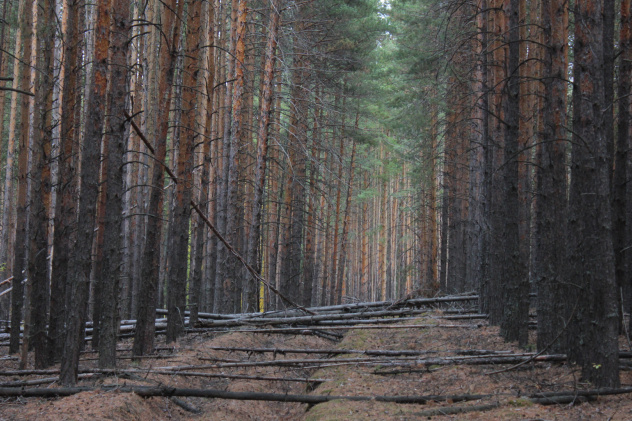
19	245
291	274
150	267
65	210
233	203
223	287
551	205
179	229
591	263
478	146
345	226
265	113
515	317
196	294
40	190
80	264
621	202
117	97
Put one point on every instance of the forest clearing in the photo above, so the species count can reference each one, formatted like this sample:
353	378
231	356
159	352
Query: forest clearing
444	357
320	175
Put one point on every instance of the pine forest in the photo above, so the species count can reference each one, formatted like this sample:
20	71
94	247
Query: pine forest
173	165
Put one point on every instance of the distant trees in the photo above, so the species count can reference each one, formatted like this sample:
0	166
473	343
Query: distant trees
344	150
538	220
159	105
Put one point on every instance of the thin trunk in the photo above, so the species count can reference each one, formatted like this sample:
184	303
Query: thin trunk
39	208
151	263
515	285
65	211
345	225
265	111
19	248
232	195
81	262
117	146
196	294
179	229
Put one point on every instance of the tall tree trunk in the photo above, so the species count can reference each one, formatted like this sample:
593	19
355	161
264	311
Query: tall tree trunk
345	225
291	274
196	294
591	263
151	263
80	265
117	145
621	202
478	147
19	245
515	318
39	210
223	288
497	75
179	229
65	211
233	202
265	110
551	205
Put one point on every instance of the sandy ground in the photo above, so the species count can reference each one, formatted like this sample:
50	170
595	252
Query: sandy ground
372	376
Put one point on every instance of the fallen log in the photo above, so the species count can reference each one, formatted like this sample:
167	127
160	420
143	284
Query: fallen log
461	360
377	304
494	359
562	400
186	405
36	382
588	392
290	331
452	410
146	391
305	320
370	352
305	330
87	372
464	317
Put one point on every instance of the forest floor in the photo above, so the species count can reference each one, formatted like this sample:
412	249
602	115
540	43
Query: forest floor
506	392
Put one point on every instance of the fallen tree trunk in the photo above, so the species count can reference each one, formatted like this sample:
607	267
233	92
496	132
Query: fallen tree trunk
589	392
370	352
36	382
372	305
145	391
305	320
452	410
307	330
88	372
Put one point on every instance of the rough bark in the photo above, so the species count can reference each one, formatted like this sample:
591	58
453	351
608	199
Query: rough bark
19	248
515	283
65	211
40	187
620	199
150	268
179	228
265	113
591	263
550	208
117	145
197	294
